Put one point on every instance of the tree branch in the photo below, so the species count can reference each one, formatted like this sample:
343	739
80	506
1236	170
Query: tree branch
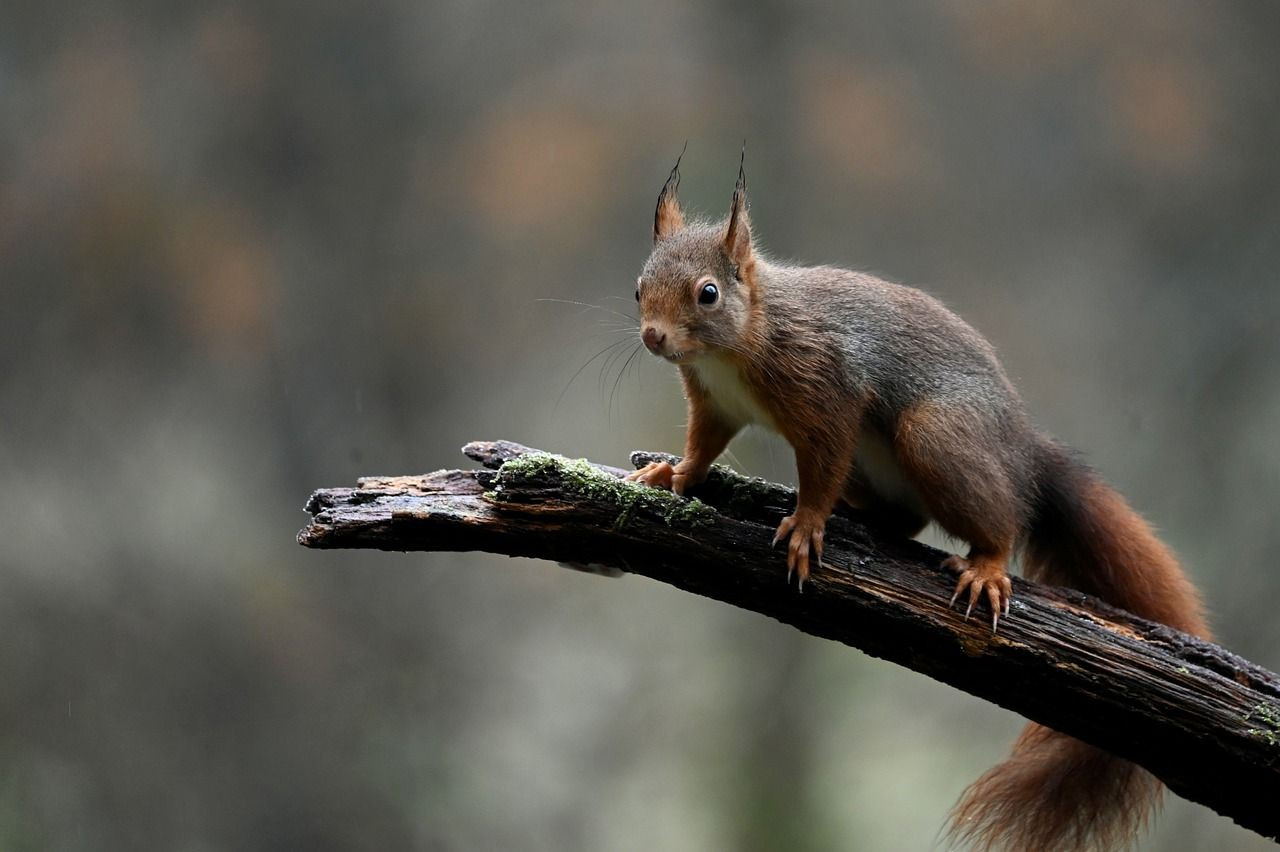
1202	719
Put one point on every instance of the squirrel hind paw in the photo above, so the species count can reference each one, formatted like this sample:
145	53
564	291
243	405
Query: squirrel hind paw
982	578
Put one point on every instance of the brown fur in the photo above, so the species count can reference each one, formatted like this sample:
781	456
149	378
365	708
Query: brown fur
1087	537
1055	794
842	363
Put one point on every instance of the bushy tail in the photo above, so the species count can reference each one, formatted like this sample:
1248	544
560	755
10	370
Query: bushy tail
1055	792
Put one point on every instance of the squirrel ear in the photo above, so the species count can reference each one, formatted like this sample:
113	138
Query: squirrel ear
669	218
737	236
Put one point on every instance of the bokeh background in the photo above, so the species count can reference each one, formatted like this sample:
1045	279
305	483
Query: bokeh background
252	249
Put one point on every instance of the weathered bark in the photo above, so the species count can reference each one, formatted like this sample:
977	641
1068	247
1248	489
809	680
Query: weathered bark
1202	719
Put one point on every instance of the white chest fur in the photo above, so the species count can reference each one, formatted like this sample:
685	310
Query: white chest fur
881	471
723	382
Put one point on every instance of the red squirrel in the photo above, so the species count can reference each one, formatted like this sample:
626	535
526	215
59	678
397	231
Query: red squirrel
895	405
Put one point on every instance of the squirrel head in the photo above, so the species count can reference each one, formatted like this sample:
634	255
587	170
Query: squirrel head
697	290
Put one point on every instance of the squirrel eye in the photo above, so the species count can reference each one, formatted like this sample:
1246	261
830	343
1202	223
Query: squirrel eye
637	294
708	294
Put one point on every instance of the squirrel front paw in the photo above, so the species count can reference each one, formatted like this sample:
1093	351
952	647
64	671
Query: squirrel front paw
805	528
655	475
675	478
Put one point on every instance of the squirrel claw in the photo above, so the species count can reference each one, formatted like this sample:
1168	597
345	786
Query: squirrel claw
784	529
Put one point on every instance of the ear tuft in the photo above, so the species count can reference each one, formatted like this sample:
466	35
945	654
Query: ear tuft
669	218
737	236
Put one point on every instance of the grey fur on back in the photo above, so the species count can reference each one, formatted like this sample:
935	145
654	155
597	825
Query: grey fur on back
903	346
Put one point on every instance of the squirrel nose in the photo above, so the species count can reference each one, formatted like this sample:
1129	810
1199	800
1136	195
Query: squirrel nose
652	339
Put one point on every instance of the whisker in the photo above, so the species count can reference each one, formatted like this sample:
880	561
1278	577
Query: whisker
611	330
605	369
618	380
578	372
588	306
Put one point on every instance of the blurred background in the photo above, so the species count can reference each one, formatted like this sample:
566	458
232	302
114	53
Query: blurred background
249	250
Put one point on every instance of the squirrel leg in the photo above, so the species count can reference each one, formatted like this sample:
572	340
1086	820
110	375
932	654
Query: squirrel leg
707	437
823	471
968	492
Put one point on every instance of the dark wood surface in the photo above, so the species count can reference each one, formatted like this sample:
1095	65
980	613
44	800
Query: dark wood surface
1202	719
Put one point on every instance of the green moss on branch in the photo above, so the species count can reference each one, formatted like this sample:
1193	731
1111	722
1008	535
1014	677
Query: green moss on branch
581	478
